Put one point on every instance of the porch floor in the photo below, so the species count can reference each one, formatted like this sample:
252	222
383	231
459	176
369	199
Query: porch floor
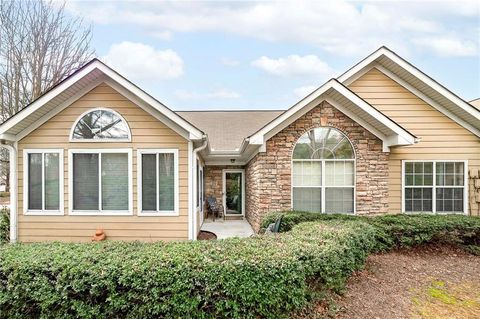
228	228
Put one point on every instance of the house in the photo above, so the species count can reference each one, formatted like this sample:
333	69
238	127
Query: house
96	151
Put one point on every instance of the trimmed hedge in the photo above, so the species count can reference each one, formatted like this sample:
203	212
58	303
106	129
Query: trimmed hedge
265	276
4	225
398	230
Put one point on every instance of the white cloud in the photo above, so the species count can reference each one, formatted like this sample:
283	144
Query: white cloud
143	62
216	94
163	35
229	62
337	26
304	90
445	46
294	65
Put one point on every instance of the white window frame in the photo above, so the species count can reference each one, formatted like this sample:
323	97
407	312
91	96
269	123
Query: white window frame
434	186
158	213
323	187
43	212
86	140
100	211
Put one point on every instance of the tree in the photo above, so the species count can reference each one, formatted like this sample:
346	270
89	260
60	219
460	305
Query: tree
40	45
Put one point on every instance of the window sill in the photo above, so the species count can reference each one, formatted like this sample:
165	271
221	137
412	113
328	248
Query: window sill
158	214
100	213
43	213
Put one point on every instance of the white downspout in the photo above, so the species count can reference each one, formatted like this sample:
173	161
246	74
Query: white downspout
194	188
12	150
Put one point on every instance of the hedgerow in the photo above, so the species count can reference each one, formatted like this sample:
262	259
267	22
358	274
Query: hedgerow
397	230
259	277
4	225
265	276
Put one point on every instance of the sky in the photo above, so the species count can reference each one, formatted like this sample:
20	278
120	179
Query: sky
268	55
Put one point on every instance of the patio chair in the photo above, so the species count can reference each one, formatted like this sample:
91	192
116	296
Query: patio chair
214	208
274	227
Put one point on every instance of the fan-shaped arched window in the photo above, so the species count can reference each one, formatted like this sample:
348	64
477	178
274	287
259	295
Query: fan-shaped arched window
101	125
323	172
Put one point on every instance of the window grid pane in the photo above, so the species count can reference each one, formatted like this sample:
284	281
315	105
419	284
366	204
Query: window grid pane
149	182
307	199
339	200
85	182
52	181
35	181
307	173
447	189
114	181
166	182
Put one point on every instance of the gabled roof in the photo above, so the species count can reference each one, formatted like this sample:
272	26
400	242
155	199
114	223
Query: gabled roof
226	130
475	103
347	102
420	84
81	82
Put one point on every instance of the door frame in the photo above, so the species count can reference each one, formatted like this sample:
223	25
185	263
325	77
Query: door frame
224	193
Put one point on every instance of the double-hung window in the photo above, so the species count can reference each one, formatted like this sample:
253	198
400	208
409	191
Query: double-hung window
434	186
157	182
43	182
100	182
323	172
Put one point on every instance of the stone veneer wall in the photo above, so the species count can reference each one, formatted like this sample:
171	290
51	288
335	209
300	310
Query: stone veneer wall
268	174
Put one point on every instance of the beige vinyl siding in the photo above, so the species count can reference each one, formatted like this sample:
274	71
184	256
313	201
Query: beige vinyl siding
441	137
147	132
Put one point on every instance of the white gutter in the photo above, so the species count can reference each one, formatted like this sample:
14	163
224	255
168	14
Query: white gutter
193	195
12	150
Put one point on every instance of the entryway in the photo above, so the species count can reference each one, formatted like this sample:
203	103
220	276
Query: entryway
228	228
234	192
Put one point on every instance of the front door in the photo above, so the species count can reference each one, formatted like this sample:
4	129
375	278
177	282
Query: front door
234	192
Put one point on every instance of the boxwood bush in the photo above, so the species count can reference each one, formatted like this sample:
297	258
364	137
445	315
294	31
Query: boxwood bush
264	276
397	230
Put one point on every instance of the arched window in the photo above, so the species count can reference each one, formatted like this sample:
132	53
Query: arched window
323	172
100	125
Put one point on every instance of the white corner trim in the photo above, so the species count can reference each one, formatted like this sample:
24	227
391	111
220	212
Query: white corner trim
157	213
72	129
43	211
12	150
99	212
191	226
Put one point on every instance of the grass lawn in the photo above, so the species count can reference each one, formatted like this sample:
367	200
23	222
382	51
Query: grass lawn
433	282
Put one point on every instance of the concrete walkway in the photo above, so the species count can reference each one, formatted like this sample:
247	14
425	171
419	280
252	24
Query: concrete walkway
228	228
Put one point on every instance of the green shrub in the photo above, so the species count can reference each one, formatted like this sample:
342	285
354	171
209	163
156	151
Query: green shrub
398	230
260	277
4	225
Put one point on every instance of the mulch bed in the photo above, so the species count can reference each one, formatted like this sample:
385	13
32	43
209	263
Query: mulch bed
206	235
391	282
388	284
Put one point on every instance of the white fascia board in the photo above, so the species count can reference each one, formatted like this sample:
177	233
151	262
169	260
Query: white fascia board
349	76
259	135
432	83
287	117
369	62
428	100
47	97
8	137
374	112
194	133
59	108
